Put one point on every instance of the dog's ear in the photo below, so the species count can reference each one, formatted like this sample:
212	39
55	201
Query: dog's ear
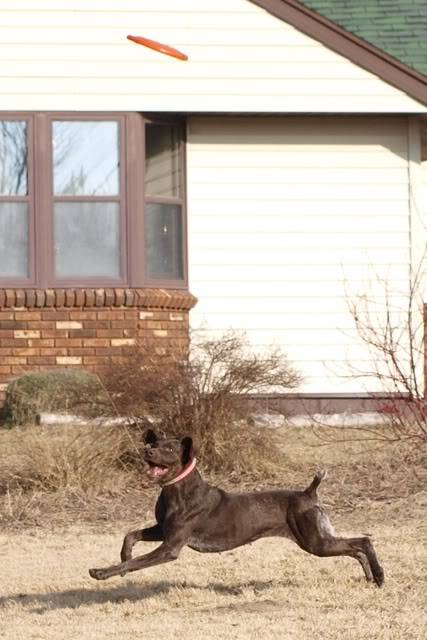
150	436
187	450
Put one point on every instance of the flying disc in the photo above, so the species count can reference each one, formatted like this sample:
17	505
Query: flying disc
158	46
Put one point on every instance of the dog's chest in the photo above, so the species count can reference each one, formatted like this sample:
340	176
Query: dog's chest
206	546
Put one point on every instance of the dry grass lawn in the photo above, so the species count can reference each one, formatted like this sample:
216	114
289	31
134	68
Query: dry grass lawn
270	589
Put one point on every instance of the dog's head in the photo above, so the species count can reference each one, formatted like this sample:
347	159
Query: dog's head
166	457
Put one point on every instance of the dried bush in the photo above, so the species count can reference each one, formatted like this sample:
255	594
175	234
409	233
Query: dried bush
203	396
62	391
81	460
395	337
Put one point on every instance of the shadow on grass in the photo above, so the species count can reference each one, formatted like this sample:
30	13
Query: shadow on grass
131	592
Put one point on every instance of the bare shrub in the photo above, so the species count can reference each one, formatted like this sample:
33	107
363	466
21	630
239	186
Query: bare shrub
395	338
203	396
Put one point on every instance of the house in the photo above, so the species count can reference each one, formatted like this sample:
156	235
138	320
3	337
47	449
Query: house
264	184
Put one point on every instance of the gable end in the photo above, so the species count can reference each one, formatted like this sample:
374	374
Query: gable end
347	44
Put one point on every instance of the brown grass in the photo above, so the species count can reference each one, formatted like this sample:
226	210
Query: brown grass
269	589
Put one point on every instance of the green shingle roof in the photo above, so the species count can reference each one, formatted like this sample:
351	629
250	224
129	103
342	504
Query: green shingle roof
398	27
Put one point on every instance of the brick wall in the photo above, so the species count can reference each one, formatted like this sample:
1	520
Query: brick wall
45	329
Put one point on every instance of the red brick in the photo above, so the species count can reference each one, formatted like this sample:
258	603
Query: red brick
70	298
111	314
26	351
55	333
68	342
14	360
75	351
123	324
83	315
24	368
69	360
40	298
97	324
59	297
131	314
80	297
28	316
109	333
30	298
6	333
53	351
10	298
26	334
39	342
56	315
89	298
99	298
153	324
44	361
7	315
120	297
6	352
50	298
42	324
12	324
4	369
122	342
96	342
93	360
110	297
82	333
20	297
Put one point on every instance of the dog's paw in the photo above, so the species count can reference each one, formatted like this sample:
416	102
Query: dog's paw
98	574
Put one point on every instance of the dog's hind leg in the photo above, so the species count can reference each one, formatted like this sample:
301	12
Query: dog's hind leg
314	533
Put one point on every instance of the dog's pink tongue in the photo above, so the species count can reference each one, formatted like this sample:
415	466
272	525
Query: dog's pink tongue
156	472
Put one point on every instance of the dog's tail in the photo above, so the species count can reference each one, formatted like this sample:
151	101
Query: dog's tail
320	475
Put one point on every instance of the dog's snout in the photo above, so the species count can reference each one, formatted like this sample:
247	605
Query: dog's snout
149	452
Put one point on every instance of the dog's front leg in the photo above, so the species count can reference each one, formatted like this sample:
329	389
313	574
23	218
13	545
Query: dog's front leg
150	534
167	552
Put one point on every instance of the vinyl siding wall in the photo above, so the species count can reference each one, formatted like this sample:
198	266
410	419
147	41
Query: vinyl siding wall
292	218
58	55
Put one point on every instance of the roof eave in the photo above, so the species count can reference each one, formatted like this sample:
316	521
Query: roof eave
349	45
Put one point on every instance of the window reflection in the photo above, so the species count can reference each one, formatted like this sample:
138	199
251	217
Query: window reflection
85	158
162	161
13	158
87	239
14	239
163	241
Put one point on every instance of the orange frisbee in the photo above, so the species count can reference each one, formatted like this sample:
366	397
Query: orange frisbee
158	46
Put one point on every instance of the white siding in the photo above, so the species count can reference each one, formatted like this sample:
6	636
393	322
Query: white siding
59	54
289	219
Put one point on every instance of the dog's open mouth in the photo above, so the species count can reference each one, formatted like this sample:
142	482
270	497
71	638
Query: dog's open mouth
156	470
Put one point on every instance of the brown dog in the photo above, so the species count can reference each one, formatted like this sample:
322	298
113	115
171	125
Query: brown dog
191	512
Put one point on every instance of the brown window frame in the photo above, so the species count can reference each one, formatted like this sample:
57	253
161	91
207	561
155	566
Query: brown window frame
131	198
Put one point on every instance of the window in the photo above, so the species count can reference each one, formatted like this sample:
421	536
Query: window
91	200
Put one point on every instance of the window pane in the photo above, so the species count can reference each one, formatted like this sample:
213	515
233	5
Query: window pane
85	158
163	241
13	158
13	239
87	239
162	160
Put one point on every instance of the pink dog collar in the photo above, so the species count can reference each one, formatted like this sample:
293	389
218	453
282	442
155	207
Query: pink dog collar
184	473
